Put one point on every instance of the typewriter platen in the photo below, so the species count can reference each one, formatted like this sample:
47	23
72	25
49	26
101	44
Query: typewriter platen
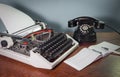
34	45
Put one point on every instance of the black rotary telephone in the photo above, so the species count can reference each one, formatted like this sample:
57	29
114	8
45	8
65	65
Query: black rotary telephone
85	30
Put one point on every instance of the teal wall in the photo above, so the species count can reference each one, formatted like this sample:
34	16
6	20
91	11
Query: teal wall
56	13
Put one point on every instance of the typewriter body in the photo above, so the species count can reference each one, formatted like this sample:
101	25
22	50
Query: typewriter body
24	41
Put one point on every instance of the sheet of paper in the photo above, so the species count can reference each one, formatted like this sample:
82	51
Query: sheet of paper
103	51
108	45
14	19
88	55
105	48
82	59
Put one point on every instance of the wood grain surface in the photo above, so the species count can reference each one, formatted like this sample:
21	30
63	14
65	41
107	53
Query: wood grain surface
108	66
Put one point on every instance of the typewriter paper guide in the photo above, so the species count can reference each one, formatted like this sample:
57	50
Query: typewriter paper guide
13	19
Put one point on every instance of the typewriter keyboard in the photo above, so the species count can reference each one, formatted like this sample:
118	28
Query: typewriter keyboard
54	47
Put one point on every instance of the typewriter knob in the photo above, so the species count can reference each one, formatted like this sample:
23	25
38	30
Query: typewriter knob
4	43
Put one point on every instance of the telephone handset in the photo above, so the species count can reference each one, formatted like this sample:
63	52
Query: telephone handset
85	30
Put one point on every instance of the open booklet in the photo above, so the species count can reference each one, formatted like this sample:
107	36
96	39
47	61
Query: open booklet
88	55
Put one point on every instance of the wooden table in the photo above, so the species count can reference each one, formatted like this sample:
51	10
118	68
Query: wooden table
106	67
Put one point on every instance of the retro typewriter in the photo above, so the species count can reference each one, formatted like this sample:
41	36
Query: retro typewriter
32	42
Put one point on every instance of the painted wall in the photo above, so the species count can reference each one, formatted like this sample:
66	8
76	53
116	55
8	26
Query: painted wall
56	13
